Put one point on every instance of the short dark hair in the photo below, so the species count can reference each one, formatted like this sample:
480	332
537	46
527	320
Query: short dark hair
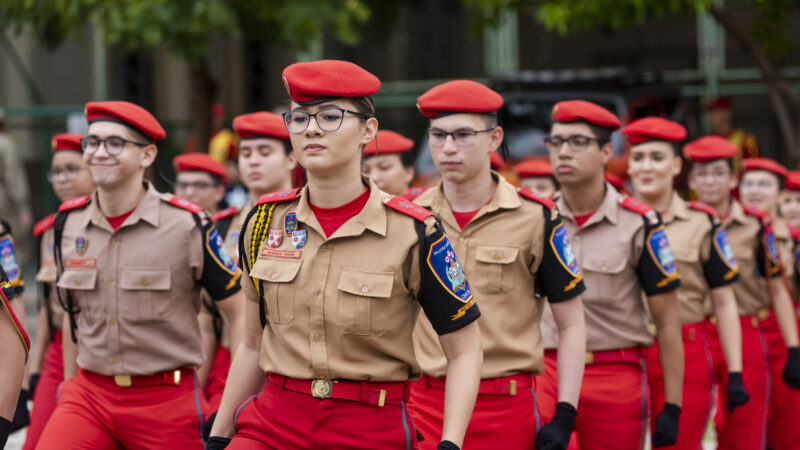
364	105
727	160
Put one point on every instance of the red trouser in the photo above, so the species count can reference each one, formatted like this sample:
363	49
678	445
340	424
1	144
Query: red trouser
217	377
783	429
698	377
46	396
280	417
93	413
746	427
613	405
504	416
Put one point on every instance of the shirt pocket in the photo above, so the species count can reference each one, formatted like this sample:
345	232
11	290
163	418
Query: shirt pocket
364	301
491	263
279	287
145	294
601	274
79	283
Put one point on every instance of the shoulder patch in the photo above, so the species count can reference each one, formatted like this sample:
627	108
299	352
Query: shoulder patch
661	252
530	195
74	203
43	225
634	205
724	248
185	204
414	192
280	196
445	266
755	212
408	208
697	206
225	213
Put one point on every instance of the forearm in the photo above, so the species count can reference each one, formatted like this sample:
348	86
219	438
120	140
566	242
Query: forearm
665	314
729	328
245	379
571	349
69	349
209	339
42	340
464	360
233	310
784	312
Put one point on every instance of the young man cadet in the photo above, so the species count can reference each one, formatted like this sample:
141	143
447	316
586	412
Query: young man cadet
200	179
761	287
69	175
13	356
131	264
516	251
623	251
389	162
536	174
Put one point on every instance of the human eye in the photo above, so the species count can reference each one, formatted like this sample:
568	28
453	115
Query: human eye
298	117
579	141
464	134
115	142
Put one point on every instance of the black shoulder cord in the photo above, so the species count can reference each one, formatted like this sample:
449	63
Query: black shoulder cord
58	231
45	290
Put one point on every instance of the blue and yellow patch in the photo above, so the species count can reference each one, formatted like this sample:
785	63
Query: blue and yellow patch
9	260
724	248
290	223
80	245
772	249
559	241
216	248
447	269
661	252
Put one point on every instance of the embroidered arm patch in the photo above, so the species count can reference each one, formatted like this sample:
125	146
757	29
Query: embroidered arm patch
721	268
559	276
657	271
220	273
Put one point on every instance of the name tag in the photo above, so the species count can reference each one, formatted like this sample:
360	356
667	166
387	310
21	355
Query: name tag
292	254
81	263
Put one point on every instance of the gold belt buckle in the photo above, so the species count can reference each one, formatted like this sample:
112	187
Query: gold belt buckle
763	314
651	328
122	380
589	358
321	388
176	377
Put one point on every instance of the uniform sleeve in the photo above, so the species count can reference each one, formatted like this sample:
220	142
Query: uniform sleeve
559	277
768	258
9	259
220	276
656	269
444	292
721	268
8	291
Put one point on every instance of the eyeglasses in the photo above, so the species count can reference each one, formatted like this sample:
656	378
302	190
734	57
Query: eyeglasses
113	144
68	173
197	185
328	119
577	142
438	138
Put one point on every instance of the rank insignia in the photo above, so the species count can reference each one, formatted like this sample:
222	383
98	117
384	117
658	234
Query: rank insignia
8	258
275	238
661	252
298	238
447	269
80	245
724	248
290	223
562	248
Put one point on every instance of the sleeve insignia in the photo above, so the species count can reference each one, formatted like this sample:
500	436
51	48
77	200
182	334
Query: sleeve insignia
661	252
559	241
447	269
724	248
216	248
9	260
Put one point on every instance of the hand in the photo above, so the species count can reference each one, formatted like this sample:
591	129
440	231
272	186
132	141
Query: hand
217	443
791	371
207	426
555	435
33	383
737	394
5	430
666	429
447	445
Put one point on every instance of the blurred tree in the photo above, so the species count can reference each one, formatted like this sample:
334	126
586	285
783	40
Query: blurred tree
764	35
184	26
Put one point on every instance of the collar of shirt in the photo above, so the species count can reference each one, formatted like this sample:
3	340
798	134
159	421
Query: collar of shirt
372	217
146	210
678	209
505	197
736	214
608	209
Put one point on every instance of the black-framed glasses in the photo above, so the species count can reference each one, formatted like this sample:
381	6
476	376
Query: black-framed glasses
113	144
328	119
437	137
69	172
577	142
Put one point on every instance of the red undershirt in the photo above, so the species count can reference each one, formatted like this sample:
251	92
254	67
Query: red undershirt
330	219
463	218
580	220
116	222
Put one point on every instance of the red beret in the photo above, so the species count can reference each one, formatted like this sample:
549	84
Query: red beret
793	181
765	164
260	124
534	167
388	142
654	129
199	162
314	82
459	96
580	110
709	148
67	141
128	114
496	161
720	103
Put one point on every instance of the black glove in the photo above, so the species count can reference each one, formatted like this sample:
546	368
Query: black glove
33	383
447	445
791	371
555	435
5	430
666	430
217	443
737	394
21	417
207	426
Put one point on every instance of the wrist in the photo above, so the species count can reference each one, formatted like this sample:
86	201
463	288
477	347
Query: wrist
734	377
794	353
447	445
671	410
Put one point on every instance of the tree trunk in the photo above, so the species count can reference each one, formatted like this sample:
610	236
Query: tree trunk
204	90
783	98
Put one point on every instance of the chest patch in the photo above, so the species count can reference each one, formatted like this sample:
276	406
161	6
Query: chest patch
447	269
80	245
275	238
217	249
290	223
562	248
660	251
724	248
8	258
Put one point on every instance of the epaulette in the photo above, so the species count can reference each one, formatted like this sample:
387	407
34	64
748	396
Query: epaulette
756	212
74	203
224	214
697	206
280	196
634	205
530	195
408	208
44	225
184	204
414	192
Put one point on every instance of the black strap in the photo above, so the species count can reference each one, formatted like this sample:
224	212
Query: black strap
223	225
68	305
44	301
243	263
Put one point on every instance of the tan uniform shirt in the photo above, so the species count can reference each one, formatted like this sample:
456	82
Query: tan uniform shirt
344	307
749	240
138	287
621	253
786	246
504	248
702	254
47	274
